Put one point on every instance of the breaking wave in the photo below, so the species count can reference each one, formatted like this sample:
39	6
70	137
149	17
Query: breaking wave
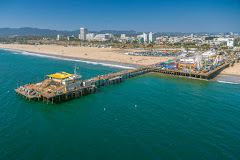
230	79
228	82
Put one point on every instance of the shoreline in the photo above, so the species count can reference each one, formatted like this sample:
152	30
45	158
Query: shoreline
101	55
232	70
89	53
230	74
222	77
74	59
226	78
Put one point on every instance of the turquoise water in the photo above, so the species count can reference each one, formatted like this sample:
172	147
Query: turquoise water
147	117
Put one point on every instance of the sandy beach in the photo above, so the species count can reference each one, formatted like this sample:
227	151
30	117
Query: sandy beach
104	54
234	70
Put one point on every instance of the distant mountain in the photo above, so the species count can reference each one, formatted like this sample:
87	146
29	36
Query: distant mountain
115	32
27	31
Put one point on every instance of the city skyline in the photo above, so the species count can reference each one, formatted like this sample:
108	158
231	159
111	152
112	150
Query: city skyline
140	16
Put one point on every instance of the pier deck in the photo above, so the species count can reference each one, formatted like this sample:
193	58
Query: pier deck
58	95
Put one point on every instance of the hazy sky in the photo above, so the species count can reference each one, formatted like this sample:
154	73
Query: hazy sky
138	15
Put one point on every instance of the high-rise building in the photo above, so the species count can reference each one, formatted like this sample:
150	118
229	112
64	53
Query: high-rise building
83	33
145	37
59	37
152	37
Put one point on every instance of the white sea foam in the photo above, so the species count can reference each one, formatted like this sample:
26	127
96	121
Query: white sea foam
230	79
71	59
228	82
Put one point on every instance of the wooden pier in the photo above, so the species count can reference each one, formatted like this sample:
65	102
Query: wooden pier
110	79
194	74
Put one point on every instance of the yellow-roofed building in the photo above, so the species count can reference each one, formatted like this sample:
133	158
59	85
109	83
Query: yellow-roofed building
59	76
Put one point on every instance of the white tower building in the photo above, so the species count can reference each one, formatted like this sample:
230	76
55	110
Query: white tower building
83	33
145	37
59	37
152	37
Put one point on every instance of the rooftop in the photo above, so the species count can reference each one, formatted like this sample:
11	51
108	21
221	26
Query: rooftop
60	75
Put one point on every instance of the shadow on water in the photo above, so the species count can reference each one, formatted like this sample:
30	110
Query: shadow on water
180	79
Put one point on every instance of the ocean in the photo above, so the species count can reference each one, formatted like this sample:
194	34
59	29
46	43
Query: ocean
152	116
